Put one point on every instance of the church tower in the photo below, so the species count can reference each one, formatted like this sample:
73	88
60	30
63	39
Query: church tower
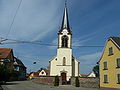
64	64
65	34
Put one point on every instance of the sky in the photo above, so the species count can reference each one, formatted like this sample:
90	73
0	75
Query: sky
91	22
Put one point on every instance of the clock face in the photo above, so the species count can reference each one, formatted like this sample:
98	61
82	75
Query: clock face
65	32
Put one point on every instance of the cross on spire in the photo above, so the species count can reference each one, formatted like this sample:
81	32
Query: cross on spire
65	21
65	2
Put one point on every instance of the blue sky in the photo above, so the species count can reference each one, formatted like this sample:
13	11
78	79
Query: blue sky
92	22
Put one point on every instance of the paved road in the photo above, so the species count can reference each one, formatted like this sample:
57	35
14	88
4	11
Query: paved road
29	85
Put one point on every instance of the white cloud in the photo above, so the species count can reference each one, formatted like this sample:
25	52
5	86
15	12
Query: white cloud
79	41
33	21
87	62
91	57
54	42
76	41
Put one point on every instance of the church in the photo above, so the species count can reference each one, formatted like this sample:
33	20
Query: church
64	64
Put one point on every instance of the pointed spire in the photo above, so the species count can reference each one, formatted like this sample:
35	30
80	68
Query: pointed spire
65	22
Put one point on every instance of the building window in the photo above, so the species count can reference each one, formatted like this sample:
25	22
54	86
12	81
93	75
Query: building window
110	51
65	41
118	78
64	61
118	62
16	68
105	78
105	66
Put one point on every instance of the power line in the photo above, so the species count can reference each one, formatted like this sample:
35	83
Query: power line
42	44
13	18
89	46
2	41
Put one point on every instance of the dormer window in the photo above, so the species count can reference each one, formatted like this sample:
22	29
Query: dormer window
65	41
110	51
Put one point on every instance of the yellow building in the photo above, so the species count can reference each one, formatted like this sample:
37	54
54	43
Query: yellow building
33	75
110	64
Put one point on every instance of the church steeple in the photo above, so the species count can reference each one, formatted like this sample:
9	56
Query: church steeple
65	21
65	34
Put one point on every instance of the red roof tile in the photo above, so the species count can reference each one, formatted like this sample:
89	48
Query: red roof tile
4	52
47	71
84	75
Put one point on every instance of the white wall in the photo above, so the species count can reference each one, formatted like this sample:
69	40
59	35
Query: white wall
76	68
44	74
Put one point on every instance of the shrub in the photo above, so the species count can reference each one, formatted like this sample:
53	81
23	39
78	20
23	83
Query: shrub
4	73
56	82
77	84
14	75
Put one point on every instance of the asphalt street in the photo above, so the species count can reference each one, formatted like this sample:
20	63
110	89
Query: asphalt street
29	85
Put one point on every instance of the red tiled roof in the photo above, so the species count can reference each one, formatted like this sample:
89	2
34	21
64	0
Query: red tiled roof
4	52
47	71
36	74
84	75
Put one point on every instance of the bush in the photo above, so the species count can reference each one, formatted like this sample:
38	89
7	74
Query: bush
14	75
4	73
56	82
77	84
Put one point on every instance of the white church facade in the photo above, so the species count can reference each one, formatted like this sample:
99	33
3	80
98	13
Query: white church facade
64	64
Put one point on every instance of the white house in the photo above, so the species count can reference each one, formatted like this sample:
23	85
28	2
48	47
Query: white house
64	64
92	74
43	72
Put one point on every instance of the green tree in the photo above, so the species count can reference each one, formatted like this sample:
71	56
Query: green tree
56	82
4	73
14	75
77	83
96	70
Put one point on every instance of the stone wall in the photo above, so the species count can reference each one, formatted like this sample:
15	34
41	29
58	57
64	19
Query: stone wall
44	80
87	82
84	82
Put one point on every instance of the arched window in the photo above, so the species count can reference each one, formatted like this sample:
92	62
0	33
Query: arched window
64	61
65	41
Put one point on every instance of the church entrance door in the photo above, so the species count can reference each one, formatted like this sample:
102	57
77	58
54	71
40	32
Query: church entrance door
63	75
